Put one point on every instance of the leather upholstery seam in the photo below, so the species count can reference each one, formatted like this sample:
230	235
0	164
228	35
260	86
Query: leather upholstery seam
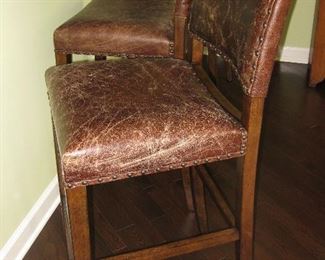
117	54
164	168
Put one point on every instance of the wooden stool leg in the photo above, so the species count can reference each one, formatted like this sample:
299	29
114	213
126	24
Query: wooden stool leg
62	58
76	221
246	211
187	184
252	119
97	57
199	198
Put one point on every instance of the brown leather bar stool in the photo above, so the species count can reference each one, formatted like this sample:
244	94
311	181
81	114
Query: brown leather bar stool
150	28
132	117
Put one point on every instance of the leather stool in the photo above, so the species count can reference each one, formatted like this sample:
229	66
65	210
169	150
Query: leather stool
132	117
129	28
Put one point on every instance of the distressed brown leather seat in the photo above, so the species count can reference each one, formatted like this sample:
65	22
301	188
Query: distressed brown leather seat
123	28
123	118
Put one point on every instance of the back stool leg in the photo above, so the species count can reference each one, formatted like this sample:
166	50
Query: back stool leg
199	198
187	184
97	57
77	223
62	58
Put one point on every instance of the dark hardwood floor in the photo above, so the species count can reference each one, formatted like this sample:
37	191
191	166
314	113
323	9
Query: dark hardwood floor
290	207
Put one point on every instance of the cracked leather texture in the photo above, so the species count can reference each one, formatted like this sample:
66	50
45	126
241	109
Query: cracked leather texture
245	32
124	118
121	27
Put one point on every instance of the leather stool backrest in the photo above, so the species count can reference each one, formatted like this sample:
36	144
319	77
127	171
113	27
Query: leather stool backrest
245	33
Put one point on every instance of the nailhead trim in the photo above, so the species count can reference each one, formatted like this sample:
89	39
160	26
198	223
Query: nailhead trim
261	43
165	168
113	54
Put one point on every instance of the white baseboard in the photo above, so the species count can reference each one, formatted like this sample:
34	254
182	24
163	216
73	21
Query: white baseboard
28	230
294	55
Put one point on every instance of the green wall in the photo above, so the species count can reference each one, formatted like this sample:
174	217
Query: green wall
298	32
27	157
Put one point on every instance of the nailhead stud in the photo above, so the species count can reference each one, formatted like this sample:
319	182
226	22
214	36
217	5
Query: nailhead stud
129	175
114	177
84	183
100	180
69	185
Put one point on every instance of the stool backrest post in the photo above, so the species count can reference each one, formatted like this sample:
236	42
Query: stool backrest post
181	19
